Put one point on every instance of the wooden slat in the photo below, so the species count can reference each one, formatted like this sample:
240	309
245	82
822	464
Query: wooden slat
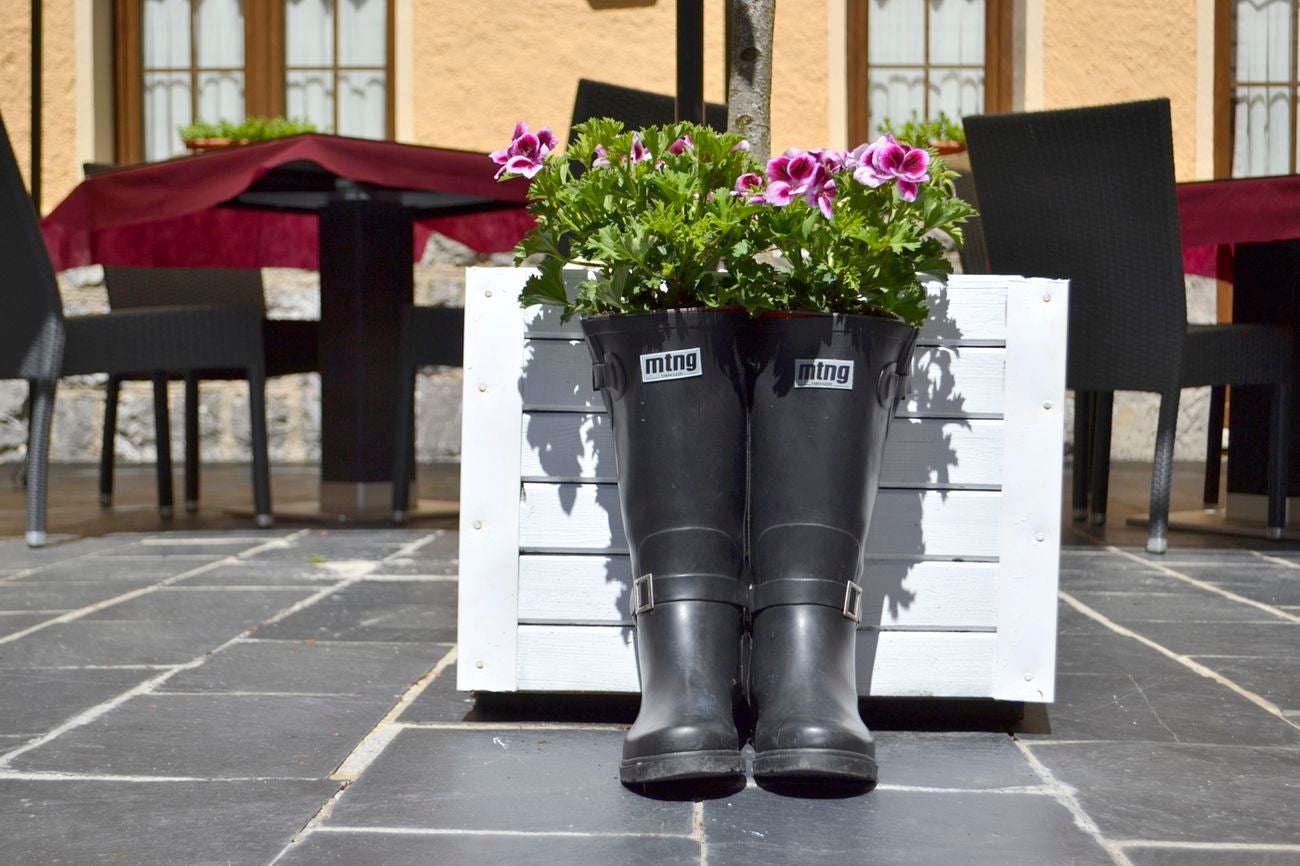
899	664
946	382
585	518
967	310
931	453
900	594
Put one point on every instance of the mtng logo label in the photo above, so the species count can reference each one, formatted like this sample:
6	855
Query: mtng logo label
671	365
820	373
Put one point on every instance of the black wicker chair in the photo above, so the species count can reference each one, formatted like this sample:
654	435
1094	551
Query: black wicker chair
39	344
289	346
1088	195
431	336
636	108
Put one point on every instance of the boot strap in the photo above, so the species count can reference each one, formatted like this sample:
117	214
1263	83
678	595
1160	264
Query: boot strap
649	590
844	597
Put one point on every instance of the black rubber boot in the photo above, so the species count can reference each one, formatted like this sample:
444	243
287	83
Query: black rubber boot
674	386
824	393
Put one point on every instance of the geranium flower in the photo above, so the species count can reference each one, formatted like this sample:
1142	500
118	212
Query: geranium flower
823	198
791	176
681	145
749	186
885	159
914	170
601	159
741	146
527	151
639	151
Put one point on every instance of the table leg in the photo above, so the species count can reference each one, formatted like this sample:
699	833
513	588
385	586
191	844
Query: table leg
365	281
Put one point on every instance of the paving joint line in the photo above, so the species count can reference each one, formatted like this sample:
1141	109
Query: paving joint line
1187	662
1276	560
697	831
54	776
514	726
1206	586
18	575
527	834
1065	796
1208	846
313	823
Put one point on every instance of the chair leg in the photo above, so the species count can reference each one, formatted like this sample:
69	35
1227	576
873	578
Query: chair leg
38	458
1099	487
1162	472
403	445
163	435
261	460
1083	403
191	443
1214	448
1279	448
107	450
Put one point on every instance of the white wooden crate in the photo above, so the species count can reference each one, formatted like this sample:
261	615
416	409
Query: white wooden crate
964	548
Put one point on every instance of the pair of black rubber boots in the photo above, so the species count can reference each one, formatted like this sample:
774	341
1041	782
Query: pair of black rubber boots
748	457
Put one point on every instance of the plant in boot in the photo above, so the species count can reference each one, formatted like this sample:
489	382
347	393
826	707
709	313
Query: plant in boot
851	232
651	215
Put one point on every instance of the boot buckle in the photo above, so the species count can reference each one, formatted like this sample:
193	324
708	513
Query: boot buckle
643	594
853	601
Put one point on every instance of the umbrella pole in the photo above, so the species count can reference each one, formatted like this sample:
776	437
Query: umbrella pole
690	60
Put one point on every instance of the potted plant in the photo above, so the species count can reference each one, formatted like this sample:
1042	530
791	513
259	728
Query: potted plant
942	133
213	136
748	329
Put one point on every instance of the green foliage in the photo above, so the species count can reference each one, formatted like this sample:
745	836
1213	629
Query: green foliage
667	231
922	133
252	130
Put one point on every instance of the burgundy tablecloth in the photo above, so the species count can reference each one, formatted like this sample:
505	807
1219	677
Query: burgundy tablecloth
168	214
1215	215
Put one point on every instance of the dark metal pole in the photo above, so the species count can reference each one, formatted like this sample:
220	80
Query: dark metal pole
36	106
690	60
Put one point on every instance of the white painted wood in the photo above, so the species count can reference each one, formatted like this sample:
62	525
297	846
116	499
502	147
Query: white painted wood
946	382
913	664
964	311
934	453
585	518
1030	516
899	594
489	479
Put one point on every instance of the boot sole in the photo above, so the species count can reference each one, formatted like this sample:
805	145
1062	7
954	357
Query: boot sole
814	765
677	766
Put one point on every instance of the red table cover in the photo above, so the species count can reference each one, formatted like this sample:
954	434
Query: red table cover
166	214
1215	215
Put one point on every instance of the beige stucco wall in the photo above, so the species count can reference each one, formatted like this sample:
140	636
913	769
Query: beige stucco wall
60	169
1116	50
478	67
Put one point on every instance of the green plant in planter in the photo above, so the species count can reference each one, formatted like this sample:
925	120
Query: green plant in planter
922	133
249	131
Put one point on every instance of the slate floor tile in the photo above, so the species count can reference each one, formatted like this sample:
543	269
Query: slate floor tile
195	823
1268	584
1186	605
308	667
1274	679
116	642
45	595
760	828
440	702
252	572
1276	639
1115	576
1211	857
173	605
12	623
494	779
1182	793
381	610
110	570
215	736
351	849
951	760
15	554
34	701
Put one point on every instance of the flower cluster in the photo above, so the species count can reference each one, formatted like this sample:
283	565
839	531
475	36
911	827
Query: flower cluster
681	216
527	152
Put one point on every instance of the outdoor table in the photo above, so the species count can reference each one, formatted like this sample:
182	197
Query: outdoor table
357	210
1247	230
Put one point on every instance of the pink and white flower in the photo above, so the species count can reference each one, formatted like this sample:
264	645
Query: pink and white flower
749	186
640	153
802	175
527	151
681	145
601	159
885	159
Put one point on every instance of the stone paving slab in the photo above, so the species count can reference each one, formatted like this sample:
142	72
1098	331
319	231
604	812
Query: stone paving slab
1211	857
311	667
35	594
12	623
195	823
1185	606
1274	679
15	554
1275	639
214	736
233	610
253	572
390	849
115	642
114	572
973	828
518	780
970	761
34	700
1182	793
376	611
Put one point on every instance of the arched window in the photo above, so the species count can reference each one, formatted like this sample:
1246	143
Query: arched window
924	57
186	61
